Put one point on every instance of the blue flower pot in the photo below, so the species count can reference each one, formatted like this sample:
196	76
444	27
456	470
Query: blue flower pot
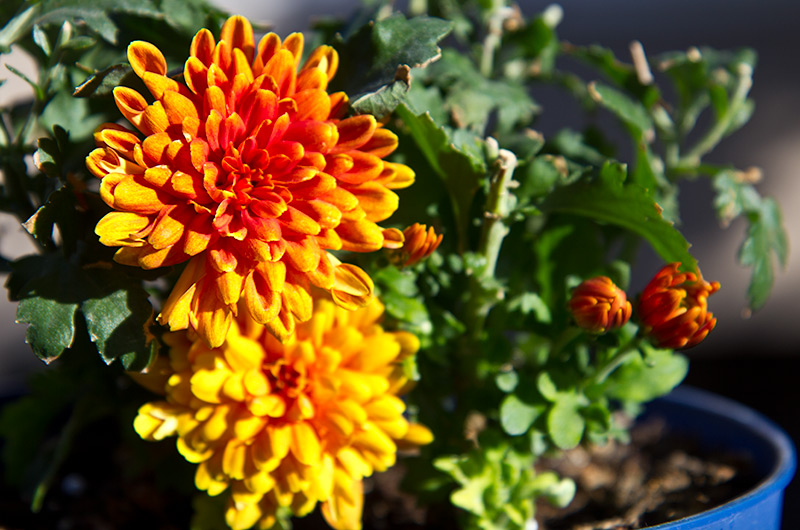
719	423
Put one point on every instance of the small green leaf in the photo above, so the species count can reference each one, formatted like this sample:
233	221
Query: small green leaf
766	238
104	82
565	423
517	416
51	327
527	303
559	492
507	381
546	386
17	27
626	109
41	40
641	379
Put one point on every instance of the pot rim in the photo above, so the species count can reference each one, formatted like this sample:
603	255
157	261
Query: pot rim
781	446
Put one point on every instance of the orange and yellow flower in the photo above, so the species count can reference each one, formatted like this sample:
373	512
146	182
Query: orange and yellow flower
598	305
289	424
250	173
673	308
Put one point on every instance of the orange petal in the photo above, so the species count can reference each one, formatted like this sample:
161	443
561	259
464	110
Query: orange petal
392	238
325	59
355	132
352	287
360	236
145	57
238	32
377	201
281	67
312	104
119	229
382	144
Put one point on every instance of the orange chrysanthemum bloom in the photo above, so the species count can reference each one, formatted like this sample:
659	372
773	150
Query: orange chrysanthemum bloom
289	424
598	305
673	308
413	244
250	174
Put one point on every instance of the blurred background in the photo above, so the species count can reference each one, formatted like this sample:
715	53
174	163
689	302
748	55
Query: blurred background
752	358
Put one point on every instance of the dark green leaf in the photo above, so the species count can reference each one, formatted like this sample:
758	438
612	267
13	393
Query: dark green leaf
372	56
382	101
73	114
52	323
609	199
103	83
95	13
461	169
118	322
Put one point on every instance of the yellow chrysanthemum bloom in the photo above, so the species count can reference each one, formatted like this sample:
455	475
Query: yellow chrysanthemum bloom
289	424
248	172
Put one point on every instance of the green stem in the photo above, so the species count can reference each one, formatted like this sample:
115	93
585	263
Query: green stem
622	354
492	40
493	232
720	128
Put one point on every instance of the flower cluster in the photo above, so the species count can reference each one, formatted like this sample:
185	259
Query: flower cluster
289	424
673	307
249	172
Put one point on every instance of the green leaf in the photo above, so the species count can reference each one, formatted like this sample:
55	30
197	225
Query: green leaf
104	82
643	378
52	323
546	386
528	303
507	381
41	40
734	196
517	416
766	238
73	114
94	13
565	423
609	199
626	109
558	491
17	27
460	168
50	152
118	322
371	58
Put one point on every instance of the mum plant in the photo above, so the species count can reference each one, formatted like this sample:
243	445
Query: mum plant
314	253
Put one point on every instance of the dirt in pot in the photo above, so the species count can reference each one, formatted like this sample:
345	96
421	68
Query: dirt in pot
654	479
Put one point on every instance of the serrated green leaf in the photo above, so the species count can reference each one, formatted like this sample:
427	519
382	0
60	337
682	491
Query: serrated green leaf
625	108
382	101
371	58
461	169
517	416
734	196
565	424
95	13
51	327
765	237
609	199
118	322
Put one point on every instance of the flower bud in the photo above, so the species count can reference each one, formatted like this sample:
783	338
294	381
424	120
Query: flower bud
419	242
673	308
599	306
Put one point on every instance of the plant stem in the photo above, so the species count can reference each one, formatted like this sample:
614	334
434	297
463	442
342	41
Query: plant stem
493	232
721	127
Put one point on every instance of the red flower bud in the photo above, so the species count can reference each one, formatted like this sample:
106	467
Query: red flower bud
673	308
599	306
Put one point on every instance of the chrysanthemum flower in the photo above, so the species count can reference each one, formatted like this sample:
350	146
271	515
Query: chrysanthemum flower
673	308
598	305
413	244
249	172
289	424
